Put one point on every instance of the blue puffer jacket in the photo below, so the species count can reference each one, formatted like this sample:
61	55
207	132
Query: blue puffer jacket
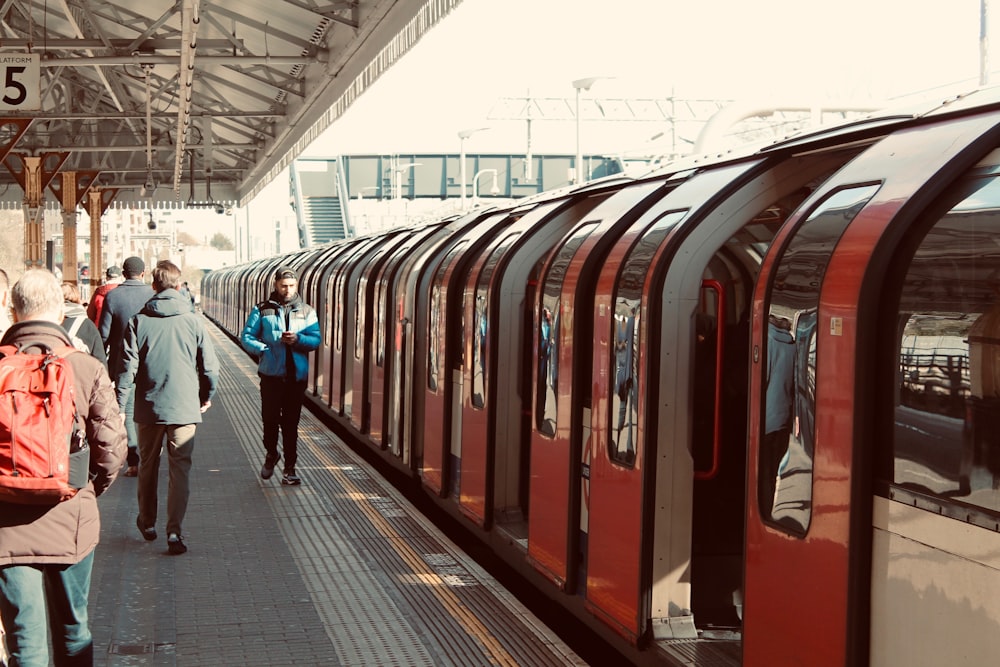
262	335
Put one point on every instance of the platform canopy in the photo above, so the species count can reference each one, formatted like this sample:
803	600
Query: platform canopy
184	102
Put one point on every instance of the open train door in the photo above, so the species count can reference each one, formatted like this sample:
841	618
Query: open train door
809	525
666	496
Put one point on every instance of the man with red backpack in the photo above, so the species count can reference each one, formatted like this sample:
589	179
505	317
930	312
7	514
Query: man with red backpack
47	546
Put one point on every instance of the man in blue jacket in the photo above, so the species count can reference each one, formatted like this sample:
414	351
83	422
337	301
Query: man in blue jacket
281	332
169	363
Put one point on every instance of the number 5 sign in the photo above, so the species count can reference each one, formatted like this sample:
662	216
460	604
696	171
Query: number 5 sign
20	77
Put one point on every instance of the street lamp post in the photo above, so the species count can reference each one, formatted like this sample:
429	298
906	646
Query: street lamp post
462	136
399	177
495	189
578	85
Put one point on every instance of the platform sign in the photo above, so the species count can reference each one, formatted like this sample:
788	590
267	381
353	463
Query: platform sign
20	78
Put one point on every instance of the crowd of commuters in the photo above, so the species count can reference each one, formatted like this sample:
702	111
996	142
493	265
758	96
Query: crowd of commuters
144	376
47	551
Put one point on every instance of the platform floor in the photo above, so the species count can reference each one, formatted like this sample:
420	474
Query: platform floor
339	571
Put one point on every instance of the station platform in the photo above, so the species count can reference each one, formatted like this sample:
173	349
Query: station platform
339	571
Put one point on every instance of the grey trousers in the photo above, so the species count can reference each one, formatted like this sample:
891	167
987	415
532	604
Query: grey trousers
179	440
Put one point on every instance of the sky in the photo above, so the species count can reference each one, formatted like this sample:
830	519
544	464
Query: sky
779	52
785	51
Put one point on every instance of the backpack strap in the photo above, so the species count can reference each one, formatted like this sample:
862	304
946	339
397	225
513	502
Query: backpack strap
75	327
63	353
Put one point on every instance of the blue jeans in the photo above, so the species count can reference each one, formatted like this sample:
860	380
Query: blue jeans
132	458
26	591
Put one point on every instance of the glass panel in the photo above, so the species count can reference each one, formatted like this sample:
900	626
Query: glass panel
624	405
436	337
789	401
381	316
946	438
548	331
480	349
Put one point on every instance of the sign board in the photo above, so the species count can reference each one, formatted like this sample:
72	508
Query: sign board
20	82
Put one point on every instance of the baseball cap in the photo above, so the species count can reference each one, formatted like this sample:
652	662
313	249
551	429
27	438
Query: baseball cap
113	272
286	272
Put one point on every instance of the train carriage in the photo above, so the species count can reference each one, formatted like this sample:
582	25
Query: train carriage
387	339
358	409
741	410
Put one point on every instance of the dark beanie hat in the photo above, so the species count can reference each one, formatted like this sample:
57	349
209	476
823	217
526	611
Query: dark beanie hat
133	266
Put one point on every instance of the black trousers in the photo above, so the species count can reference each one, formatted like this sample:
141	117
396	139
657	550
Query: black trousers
280	409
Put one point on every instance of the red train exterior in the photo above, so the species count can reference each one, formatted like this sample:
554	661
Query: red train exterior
741	410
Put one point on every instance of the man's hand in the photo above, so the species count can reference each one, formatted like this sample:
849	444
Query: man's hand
206	405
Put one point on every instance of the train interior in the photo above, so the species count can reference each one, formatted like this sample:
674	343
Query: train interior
720	400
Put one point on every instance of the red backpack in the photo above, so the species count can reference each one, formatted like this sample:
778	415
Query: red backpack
38	434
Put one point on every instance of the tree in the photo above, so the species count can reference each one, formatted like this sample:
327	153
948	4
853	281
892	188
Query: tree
187	239
221	242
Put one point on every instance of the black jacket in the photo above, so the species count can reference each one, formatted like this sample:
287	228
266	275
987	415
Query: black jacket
120	305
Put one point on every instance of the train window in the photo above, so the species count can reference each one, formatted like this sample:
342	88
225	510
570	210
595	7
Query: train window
380	318
785	472
359	323
338	310
480	324
552	313
360	301
624	405
946	433
436	335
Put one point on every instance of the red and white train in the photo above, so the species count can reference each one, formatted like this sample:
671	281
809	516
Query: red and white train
743	410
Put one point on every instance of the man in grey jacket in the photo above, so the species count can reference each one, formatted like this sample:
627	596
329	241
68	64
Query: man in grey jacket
169	361
47	551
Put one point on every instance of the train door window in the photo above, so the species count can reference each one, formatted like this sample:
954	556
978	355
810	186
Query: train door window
436	337
338	331
785	474
480	324
946	427
624	418
549	330
359	306
338	296
380	316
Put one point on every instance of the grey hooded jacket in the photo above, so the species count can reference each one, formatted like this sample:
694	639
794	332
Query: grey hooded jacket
169	359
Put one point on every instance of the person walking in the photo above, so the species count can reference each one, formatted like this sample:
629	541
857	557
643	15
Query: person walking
47	551
112	278
280	332
168	363
120	304
82	332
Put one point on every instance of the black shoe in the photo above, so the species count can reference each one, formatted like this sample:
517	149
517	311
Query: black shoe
268	468
148	534
175	545
290	479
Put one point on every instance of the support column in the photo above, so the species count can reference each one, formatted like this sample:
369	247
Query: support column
68	203
96	208
34	213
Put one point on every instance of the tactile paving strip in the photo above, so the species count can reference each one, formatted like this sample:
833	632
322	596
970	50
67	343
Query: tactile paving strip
388	587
